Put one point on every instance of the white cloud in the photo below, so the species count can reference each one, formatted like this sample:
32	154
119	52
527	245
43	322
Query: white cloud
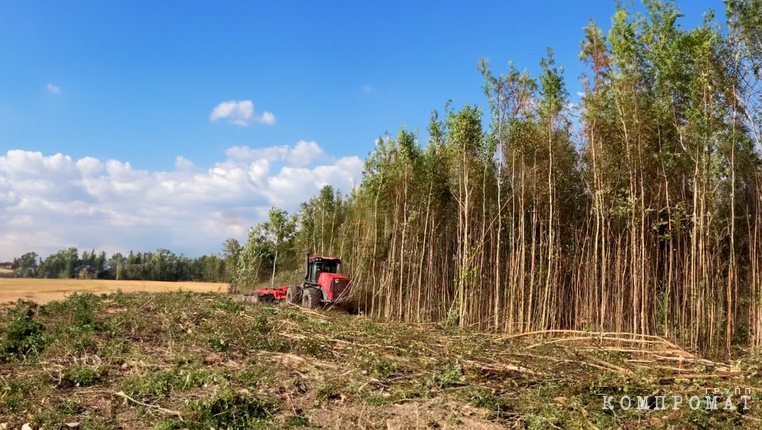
240	113
183	164
53	89
266	118
302	154
305	153
50	202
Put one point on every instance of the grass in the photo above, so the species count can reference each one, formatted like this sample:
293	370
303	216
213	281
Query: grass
200	360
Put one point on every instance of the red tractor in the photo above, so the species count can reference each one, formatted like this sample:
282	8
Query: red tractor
323	283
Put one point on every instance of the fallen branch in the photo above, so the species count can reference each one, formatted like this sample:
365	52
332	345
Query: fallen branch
363	345
714	365
598	338
503	367
605	335
295	358
158	408
620	370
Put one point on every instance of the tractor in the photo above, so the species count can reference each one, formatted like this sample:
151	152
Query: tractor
323	284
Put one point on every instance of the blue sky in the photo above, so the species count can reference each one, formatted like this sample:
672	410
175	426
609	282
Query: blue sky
129	87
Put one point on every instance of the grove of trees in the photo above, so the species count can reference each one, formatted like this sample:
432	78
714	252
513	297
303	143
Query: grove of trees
639	209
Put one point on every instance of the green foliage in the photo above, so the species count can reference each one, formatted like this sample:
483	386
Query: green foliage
552	89
380	366
26	266
23	334
297	421
219	342
233	410
451	376
163	383
326	392
316	348
371	327
81	310
83	376
498	406
13	396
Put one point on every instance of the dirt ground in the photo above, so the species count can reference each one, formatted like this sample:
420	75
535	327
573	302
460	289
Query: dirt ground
44	291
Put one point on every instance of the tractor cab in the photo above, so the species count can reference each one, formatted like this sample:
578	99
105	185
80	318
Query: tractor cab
319	265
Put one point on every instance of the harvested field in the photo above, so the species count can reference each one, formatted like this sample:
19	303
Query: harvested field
183	360
42	291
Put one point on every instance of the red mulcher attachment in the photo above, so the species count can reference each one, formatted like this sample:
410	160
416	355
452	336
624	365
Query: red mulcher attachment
322	284
265	295
271	295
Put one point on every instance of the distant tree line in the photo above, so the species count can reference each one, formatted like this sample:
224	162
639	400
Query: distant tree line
638	209
161	265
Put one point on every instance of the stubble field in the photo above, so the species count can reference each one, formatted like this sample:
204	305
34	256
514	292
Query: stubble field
43	291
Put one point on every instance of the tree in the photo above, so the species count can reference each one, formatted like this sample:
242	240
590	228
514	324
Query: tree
26	265
231	251
279	230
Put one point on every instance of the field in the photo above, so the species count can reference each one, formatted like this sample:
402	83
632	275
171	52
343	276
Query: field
184	360
42	291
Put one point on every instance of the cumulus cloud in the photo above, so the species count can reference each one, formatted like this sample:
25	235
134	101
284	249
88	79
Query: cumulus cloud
183	164
53	89
50	202
240	113
302	154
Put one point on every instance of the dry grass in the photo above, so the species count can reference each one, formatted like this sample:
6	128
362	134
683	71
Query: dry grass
43	291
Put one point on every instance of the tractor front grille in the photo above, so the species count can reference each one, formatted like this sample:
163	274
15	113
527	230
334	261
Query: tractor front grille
339	286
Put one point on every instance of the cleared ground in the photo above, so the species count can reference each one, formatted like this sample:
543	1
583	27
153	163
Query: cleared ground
43	291
199	361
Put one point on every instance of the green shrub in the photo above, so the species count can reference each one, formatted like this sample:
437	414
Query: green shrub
23	334
326	392
233	410
316	348
162	384
81	311
449	377
12	396
218	341
83	376
380	366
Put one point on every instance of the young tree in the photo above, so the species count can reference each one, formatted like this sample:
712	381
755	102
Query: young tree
279	231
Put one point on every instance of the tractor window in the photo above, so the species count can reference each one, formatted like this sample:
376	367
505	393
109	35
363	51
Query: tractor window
329	267
318	267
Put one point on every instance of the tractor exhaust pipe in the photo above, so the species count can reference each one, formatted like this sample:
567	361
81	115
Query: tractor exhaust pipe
307	267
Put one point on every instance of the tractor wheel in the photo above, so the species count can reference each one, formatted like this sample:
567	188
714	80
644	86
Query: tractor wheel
311	298
294	295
